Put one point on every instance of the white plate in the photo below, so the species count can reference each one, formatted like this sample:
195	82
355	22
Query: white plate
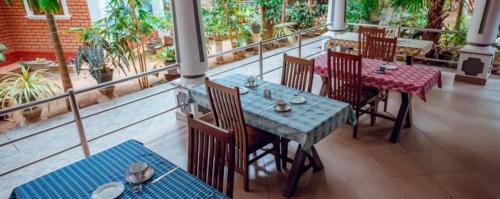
390	67
298	100
243	90
149	173
109	190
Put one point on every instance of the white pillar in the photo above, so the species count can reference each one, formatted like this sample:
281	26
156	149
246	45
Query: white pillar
477	56
190	41
191	49
336	17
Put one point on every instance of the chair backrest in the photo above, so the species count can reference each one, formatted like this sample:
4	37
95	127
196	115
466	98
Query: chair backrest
344	77
210	149
297	73
226	108
379	47
362	38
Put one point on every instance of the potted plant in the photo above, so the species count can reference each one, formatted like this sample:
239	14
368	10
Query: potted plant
4	103
27	87
98	69
216	29
3	48
169	57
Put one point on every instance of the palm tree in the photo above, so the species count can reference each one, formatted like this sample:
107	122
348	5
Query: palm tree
49	7
435	14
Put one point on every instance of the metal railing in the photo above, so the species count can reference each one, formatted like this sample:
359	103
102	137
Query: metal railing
78	118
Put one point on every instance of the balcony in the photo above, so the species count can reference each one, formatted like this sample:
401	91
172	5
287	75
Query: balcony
437	157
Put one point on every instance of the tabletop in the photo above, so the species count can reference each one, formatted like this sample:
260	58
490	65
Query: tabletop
306	123
79	179
414	80
403	44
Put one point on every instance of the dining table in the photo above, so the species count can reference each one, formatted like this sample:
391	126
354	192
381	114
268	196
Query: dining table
404	46
405	79
306	124
81	178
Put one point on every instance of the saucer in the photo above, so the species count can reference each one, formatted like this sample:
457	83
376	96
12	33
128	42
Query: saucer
109	190
243	90
278	109
254	85
298	100
390	67
147	175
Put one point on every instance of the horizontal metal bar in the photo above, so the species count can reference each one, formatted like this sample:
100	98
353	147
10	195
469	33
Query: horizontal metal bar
129	102
39	160
169	67
31	104
37	133
231	69
253	45
134	123
407	28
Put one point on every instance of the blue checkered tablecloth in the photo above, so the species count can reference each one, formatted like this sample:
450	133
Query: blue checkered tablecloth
78	180
307	123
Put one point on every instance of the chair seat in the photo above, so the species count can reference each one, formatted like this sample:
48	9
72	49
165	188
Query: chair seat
258	138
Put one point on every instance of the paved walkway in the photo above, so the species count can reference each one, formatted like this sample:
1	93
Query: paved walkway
145	129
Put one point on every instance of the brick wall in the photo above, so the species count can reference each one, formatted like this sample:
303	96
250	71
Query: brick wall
28	39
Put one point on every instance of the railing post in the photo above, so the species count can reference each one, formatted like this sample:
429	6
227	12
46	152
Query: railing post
78	121
300	43
261	60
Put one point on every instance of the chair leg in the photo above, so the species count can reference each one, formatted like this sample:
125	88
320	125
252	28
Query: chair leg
355	127
373	108
284	152
355	131
246	180
386	100
277	154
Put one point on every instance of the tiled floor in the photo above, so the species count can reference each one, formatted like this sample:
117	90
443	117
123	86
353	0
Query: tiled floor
452	151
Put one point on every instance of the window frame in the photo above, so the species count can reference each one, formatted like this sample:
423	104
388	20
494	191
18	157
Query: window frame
31	15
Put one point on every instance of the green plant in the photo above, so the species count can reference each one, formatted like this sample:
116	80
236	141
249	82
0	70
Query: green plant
215	22
3	48
27	86
94	57
302	14
282	30
167	54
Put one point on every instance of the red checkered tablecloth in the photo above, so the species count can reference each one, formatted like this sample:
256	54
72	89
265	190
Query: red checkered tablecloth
414	80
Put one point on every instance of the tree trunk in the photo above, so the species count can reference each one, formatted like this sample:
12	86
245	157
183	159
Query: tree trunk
458	21
61	60
283	11
268	26
435	18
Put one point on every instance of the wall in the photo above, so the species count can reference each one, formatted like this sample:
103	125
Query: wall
28	39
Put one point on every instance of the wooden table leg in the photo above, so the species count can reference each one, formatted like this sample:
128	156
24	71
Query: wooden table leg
403	111
295	172
315	160
409	116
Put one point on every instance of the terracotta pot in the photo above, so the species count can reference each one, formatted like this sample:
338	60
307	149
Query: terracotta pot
256	28
32	114
108	91
168	40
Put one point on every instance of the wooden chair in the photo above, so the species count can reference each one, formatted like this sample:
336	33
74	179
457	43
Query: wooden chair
297	73
384	48
210	149
362	38
344	80
226	108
